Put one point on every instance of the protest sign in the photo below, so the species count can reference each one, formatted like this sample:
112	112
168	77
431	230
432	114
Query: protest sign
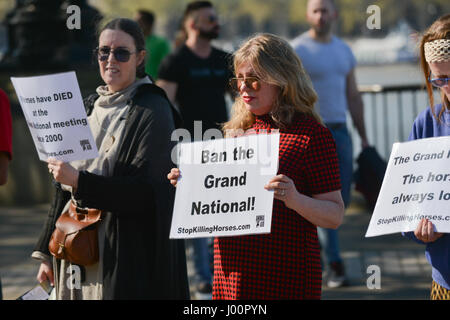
415	186
221	188
56	117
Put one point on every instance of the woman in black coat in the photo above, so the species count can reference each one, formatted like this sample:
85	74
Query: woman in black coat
132	122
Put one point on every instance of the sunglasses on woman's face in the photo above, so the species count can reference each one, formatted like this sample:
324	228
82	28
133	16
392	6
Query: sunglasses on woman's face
250	82
438	82
120	54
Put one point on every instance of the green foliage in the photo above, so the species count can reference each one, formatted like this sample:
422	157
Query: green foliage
5	7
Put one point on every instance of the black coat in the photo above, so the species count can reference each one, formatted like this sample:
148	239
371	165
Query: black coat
140	262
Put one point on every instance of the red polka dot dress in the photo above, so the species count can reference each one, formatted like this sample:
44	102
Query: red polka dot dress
284	264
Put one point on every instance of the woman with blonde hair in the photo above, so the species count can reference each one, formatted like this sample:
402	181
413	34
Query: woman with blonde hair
285	71
275	93
434	121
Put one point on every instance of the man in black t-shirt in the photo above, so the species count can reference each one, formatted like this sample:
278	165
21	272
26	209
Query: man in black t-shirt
195	77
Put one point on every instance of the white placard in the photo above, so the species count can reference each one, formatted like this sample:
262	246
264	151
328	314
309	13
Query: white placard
55	114
416	185
221	188
37	293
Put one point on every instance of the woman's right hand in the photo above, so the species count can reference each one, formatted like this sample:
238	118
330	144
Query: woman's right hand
63	172
173	176
425	231
45	273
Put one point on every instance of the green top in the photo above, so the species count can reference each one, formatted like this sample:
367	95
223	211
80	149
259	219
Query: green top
157	48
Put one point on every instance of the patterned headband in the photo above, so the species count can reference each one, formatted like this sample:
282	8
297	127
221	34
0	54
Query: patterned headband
437	50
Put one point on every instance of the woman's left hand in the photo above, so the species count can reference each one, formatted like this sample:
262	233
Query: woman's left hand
284	189
425	231
324	210
63	172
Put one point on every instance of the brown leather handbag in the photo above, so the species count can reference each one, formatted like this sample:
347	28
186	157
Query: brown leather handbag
76	236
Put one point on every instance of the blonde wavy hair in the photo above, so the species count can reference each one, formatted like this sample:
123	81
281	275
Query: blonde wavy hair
274	62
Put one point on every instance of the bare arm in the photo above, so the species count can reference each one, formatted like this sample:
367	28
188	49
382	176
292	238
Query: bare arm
356	108
4	163
169	87
324	210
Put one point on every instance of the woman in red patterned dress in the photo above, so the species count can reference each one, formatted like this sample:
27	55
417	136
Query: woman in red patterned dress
275	93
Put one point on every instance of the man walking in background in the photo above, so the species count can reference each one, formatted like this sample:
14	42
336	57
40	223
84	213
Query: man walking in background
195	78
330	63
157	47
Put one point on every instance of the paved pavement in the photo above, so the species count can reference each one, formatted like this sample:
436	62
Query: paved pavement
19	231
404	272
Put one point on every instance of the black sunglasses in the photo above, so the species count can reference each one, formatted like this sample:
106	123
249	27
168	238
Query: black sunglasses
120	54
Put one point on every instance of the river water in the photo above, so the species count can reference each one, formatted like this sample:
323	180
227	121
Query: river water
392	74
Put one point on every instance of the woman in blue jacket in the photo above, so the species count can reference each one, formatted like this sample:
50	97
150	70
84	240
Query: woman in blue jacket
435	122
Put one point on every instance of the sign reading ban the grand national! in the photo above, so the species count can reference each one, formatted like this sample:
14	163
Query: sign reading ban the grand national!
221	188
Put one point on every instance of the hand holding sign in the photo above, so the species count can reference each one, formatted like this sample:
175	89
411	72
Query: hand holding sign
284	189
415	189
425	231
45	273
63	172
173	176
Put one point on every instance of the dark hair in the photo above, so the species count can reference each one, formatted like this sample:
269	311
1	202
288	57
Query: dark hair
194	6
132	28
147	16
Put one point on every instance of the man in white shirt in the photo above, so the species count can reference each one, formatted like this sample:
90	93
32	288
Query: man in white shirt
330	64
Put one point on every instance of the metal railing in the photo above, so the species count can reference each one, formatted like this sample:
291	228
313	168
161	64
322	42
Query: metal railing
389	113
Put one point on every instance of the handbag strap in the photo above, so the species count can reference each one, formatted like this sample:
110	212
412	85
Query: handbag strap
93	215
